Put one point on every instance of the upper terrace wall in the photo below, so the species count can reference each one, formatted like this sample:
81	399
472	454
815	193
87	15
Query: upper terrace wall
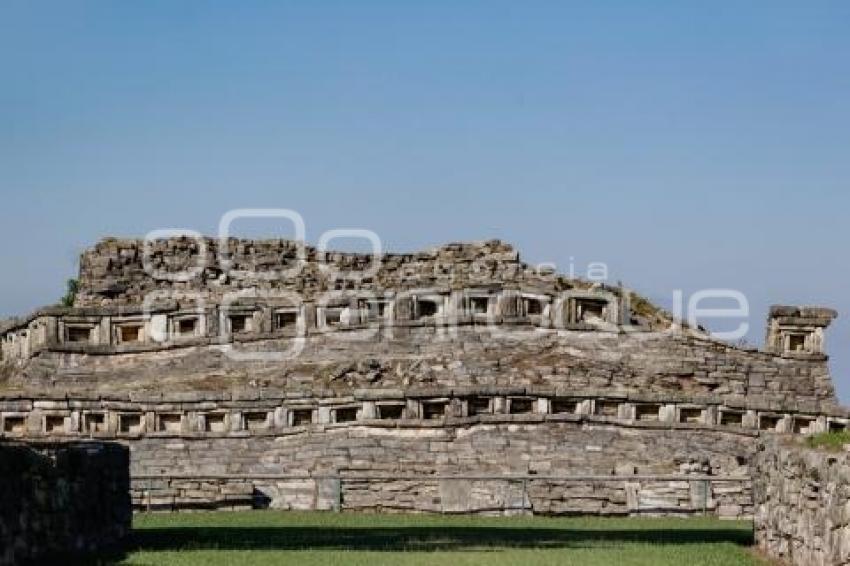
176	290
671	366
113	272
465	314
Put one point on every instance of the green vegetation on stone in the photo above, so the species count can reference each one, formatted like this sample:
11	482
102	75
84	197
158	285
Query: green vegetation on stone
833	441
73	287
271	537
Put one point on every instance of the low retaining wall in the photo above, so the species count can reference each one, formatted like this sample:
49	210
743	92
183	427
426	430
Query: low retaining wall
495	495
60	500
802	513
516	464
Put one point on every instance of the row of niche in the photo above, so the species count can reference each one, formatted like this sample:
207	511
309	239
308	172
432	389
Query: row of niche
124	422
586	309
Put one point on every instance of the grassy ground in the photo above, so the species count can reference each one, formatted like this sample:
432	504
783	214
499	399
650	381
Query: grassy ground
268	537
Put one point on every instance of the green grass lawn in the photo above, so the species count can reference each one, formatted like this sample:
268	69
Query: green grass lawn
269	537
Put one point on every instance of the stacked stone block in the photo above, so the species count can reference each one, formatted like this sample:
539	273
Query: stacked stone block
59	501
410	371
380	468
802	504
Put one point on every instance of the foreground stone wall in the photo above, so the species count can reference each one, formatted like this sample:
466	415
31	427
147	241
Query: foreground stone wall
387	468
802	504
613	496
62	500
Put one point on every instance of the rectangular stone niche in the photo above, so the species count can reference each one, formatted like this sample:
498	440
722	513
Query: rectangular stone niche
426	308
78	334
479	406
520	406
300	417
345	414
94	422
373	310
14	425
769	422
239	323
215	422
590	310
478	305
532	306
607	408
564	406
803	425
691	415
129	333
130	424
433	410
390	412
256	420
797	343
333	316
285	319
186	326
837	426
54	424
732	418
647	412
169	422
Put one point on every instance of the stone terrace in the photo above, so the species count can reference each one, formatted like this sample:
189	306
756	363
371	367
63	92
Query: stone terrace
265	342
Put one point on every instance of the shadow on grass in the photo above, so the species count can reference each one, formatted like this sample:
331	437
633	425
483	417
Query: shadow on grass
418	538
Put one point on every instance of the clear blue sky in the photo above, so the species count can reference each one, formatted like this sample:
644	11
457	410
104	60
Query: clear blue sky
688	145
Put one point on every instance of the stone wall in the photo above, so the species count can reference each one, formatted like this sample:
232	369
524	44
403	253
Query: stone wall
60	500
114	271
583	495
465	467
457	380
268	412
802	504
662	363
491	321
249	452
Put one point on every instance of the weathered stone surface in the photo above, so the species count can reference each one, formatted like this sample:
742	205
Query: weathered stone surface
271	360
400	460
802	504
59	501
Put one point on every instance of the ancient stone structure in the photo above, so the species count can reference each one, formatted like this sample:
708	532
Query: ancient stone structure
802	504
62	500
460	379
